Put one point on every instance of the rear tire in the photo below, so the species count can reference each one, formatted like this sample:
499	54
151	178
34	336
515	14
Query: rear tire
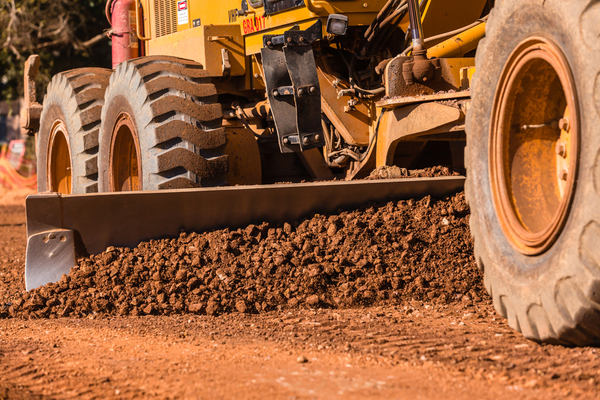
548	289
69	127
161	127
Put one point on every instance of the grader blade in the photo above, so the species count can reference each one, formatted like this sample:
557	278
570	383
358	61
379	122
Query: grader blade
61	228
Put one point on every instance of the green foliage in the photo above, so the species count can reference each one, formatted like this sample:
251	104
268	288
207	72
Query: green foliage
65	33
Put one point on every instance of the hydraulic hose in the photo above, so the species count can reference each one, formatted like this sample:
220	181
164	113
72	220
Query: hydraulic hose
449	34
416	28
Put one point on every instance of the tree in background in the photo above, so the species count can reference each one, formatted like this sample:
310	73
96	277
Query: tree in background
65	33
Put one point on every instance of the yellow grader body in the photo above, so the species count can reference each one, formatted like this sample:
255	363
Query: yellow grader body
211	106
228	44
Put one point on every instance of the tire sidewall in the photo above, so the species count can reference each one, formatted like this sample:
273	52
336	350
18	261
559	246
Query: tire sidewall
117	105
53	112
125	94
530	275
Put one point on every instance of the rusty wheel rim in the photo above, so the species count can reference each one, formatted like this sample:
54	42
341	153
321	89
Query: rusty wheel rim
59	160
534	145
124	164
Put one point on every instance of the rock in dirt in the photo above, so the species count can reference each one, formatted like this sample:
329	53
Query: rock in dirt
385	254
302	360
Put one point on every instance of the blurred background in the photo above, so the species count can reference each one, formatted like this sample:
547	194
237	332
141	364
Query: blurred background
66	34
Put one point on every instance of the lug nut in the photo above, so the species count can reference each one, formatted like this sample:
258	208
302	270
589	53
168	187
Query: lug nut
564	174
564	125
312	90
317	137
275	92
561	150
305	140
289	40
286	140
269	43
300	92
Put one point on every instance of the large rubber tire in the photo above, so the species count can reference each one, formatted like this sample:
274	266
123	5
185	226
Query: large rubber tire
177	121
73	98
553	296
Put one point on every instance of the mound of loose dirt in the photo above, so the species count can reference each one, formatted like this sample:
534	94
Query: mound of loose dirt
398	251
395	172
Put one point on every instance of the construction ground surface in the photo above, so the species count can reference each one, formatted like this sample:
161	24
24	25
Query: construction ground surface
383	302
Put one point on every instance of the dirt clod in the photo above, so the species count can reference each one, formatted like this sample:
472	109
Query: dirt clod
302	360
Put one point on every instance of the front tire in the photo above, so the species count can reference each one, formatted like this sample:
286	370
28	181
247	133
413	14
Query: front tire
67	142
533	163
161	128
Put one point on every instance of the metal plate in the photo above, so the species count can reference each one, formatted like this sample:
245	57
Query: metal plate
50	255
283	107
293	88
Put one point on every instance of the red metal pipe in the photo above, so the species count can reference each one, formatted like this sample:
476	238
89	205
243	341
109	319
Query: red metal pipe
124	41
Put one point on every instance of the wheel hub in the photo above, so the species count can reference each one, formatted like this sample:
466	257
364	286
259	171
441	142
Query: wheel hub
124	165
534	144
59	160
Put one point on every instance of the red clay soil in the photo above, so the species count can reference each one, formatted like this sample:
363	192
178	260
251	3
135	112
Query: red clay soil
12	252
404	345
418	351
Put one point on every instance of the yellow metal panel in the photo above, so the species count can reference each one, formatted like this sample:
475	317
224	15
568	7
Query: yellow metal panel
255	42
409	121
211	12
451	68
354	124
325	8
204	12
442	16
244	157
254	26
204	45
438	16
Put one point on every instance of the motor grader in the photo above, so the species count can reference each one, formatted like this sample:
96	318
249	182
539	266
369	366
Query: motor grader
209	104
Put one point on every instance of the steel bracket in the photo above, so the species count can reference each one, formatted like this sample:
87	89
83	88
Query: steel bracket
293	87
31	110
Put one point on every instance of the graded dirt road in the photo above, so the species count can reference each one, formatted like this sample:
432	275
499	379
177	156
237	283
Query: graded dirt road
407	349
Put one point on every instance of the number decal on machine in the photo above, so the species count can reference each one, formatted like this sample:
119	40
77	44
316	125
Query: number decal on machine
254	24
